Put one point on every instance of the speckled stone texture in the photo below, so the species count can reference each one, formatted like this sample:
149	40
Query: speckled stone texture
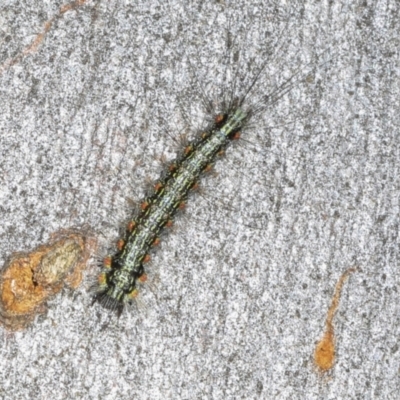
94	95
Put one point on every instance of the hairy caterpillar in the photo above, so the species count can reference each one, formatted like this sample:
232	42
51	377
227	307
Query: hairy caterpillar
118	283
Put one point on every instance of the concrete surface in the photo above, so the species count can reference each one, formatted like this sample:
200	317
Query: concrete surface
240	288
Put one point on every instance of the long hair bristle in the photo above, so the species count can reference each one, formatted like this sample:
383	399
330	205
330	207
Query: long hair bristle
108	302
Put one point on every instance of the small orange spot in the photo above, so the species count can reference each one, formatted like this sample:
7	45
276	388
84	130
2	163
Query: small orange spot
156	241
146	258
172	167
195	185
120	244
131	226
324	355
208	168
133	294
182	205
158	186
220	153
107	262
169	223
142	278
144	205
219	118
102	279
236	136
188	149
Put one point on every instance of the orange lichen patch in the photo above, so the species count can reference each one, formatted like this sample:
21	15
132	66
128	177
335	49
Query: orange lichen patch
37	41
57	262
142	278
120	244
156	241
20	294
324	355
30	279
146	258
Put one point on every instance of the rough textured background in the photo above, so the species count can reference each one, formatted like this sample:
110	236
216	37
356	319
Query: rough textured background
241	287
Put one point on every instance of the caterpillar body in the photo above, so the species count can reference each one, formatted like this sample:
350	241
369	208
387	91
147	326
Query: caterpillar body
118	284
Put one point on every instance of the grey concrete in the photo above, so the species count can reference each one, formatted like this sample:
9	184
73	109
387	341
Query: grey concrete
240	288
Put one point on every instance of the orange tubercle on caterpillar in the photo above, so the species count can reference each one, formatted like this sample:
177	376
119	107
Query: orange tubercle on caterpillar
195	186
188	149
102	279
172	167
144	205
107	262
133	294
131	226
158	186
120	244
236	136
221	153
219	118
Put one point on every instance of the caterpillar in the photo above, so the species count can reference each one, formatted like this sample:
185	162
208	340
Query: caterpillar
117	284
